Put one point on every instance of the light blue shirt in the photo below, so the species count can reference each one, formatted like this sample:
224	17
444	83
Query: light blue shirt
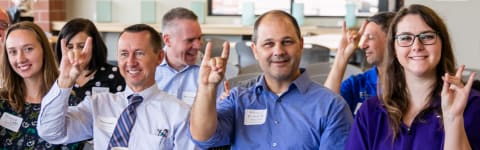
182	84
306	116
96	117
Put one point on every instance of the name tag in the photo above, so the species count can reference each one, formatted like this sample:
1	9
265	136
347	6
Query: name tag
188	97
11	122
255	116
107	124
96	90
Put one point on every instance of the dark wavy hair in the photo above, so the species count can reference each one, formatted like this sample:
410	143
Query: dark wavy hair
99	49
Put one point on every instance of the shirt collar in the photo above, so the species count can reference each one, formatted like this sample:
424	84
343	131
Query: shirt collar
301	83
146	93
165	63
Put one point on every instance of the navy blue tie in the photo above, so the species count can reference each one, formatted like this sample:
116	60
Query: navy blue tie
125	122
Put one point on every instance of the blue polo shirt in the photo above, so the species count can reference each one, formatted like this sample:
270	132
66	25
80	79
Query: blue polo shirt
306	116
358	88
371	129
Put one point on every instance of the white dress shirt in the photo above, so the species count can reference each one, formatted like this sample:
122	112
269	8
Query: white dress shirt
96	117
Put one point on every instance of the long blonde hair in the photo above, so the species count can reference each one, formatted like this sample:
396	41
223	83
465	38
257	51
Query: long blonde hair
13	85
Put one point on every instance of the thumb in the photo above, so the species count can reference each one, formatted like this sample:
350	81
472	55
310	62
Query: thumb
226	86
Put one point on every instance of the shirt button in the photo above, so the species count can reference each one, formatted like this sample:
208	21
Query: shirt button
274	144
276	122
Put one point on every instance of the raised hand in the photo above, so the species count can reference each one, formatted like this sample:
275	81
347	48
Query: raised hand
455	94
349	41
71	61
212	70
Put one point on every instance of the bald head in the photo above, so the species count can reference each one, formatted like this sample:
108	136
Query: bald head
4	22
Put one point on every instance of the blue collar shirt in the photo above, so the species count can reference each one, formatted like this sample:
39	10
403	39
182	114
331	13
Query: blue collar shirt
358	88
306	116
183	84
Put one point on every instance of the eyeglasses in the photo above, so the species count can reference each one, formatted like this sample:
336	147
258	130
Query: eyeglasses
406	40
3	25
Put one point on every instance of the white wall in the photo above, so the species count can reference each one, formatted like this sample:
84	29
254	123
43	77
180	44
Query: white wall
128	11
461	17
458	14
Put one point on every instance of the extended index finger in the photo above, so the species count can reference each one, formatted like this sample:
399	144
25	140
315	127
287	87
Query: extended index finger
362	28
459	72
226	50
208	53
344	27
63	44
88	46
470	80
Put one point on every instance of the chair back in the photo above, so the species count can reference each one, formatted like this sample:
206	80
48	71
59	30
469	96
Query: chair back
313	53
245	55
253	68
244	80
217	46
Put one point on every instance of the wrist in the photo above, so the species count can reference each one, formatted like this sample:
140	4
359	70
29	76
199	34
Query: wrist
452	120
65	83
208	87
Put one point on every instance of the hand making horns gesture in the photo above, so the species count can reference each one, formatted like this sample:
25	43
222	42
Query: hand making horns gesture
212	70
350	40
455	93
71	61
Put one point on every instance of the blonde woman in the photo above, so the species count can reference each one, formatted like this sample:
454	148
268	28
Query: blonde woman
28	70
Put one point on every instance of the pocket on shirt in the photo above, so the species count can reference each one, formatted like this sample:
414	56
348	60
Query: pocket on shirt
106	124
161	142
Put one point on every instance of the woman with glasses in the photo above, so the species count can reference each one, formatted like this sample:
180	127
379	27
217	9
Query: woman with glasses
423	104
28	70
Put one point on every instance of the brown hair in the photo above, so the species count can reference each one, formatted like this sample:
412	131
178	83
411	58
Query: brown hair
13	86
155	39
394	93
174	14
278	13
99	49
383	19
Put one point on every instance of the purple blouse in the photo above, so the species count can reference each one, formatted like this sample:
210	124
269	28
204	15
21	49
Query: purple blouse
371	129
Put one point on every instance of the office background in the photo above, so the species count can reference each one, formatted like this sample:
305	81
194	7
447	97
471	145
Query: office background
460	16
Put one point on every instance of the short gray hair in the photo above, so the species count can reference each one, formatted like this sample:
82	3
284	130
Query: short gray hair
176	13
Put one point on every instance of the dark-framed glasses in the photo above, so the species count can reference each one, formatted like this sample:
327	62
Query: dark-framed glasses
426	38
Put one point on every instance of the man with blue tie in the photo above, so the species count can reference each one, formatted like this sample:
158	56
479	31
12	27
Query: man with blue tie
141	117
